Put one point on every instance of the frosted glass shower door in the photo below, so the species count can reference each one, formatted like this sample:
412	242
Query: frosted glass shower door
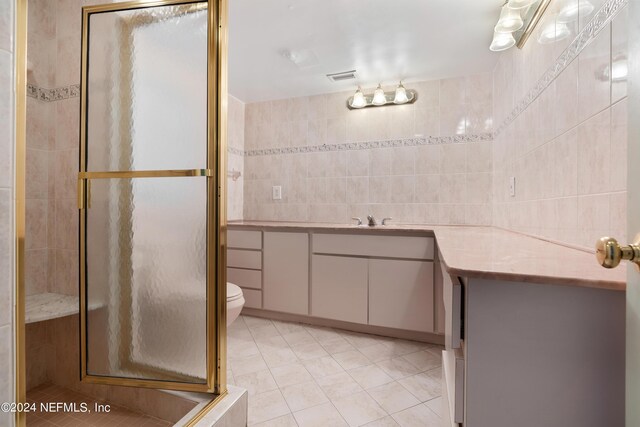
147	195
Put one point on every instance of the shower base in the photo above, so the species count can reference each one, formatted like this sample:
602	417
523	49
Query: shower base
117	415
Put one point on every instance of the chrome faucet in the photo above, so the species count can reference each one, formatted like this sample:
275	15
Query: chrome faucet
372	221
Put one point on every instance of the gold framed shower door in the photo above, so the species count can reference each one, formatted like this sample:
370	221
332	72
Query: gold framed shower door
215	175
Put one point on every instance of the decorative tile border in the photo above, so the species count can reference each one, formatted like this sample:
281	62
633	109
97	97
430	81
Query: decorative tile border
407	142
588	33
50	95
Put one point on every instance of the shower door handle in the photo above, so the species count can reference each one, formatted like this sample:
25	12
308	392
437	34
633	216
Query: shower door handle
84	179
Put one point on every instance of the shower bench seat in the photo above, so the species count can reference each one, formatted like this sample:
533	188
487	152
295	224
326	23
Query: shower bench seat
47	306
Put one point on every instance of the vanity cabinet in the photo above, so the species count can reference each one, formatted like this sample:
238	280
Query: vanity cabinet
286	272
244	264
339	288
379	280
401	294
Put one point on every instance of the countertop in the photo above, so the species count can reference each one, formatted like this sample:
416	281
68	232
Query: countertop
488	253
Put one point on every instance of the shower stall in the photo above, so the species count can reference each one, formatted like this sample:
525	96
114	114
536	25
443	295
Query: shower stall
137	220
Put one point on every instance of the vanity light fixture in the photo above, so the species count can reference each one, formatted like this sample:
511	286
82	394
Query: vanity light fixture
510	20
501	41
401	95
554	31
380	98
518	19
573	10
358	100
520	4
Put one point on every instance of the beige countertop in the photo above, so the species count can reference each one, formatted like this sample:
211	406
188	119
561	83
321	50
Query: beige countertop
489	253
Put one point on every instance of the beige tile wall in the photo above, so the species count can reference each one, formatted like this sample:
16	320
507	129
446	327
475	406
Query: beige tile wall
235	160
7	204
438	183
52	152
567	149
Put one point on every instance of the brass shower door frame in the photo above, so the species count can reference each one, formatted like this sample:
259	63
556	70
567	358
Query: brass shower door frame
214	173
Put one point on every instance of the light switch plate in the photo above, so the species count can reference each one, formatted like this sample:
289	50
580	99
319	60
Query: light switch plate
512	186
276	192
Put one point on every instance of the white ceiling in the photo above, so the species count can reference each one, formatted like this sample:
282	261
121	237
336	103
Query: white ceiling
384	40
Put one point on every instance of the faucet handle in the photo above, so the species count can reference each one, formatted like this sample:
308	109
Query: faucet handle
384	220
355	218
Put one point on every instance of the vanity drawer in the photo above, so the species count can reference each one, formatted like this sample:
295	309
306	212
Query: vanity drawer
244	259
244	239
377	246
252	298
245	278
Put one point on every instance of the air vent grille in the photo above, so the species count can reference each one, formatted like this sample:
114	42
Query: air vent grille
341	76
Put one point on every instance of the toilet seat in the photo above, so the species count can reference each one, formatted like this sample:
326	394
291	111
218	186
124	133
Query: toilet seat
233	292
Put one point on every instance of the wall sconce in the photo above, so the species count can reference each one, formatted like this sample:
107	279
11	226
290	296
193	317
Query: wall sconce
380	98
518	18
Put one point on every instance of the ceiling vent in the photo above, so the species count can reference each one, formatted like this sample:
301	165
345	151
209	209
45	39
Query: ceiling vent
344	75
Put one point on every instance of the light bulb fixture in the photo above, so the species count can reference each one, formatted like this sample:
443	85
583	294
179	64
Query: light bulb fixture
520	4
510	20
358	100
518	20
573	10
401	95
380	98
502	41
553	31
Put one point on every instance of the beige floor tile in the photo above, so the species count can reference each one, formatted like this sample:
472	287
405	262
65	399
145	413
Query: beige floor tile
351	359
359	409
308	351
423	360
322	366
267	406
304	395
398	368
337	345
436	405
338	385
393	397
288	327
295	373
279	357
378	352
370	376
256	382
283	421
299	338
425	386
325	415
247	365
402	347
383	422
417	416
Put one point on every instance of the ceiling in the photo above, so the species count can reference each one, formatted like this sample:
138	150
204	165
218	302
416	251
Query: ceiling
284	48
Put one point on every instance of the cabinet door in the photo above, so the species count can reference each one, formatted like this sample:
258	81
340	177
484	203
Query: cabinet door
339	288
401	294
286	272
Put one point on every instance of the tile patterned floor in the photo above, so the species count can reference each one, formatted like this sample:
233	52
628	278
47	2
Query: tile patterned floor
307	376
117	417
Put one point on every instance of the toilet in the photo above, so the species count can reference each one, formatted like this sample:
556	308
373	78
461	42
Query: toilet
235	302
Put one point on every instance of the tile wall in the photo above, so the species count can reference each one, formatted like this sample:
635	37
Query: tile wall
7	204
428	162
52	148
561	130
235	159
